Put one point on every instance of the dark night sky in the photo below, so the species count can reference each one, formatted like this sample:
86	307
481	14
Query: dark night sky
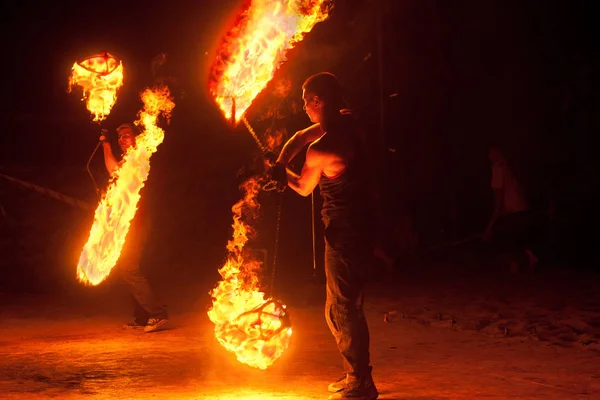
432	49
46	40
467	73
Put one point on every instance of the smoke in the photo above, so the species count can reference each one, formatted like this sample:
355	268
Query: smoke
157	62
162	77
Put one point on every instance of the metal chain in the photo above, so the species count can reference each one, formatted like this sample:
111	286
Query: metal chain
90	171
106	56
276	246
261	146
270	186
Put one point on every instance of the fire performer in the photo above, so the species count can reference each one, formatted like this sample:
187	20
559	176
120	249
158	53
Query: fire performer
147	312
335	161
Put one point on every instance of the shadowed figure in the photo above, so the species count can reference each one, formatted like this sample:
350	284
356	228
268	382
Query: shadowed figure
147	312
510	225
336	161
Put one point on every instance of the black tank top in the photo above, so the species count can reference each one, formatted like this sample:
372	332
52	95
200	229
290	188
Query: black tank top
345	196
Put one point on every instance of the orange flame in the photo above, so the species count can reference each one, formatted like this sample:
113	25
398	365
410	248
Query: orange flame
117	208
100	77
257	339
254	49
274	137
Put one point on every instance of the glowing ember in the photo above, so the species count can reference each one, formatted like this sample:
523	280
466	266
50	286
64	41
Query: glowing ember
100	77
117	208
255	47
255	329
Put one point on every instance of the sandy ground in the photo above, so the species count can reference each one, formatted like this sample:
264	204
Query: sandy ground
60	351
458	327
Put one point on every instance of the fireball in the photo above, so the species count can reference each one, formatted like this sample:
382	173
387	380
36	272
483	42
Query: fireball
100	77
248	323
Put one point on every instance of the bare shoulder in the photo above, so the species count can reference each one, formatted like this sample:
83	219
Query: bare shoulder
312	133
322	147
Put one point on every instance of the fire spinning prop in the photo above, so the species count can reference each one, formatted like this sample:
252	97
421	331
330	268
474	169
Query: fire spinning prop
256	46
248	323
257	329
117	208
100	77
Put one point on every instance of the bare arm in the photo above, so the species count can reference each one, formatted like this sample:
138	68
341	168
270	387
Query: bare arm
109	158
308	179
295	144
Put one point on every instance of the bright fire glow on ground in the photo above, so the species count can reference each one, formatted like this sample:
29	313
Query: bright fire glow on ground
246	395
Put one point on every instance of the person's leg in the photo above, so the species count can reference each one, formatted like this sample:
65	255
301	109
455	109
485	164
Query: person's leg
507	243
140	316
522	234
129	265
142	293
345	265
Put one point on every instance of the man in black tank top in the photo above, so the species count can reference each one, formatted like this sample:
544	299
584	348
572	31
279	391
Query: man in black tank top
147	312
335	161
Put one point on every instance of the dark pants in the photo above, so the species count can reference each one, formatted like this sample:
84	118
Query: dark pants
516	232
145	304
347	259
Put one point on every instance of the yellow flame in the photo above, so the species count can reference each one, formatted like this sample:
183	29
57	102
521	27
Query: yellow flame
100	77
117	208
256	46
257	340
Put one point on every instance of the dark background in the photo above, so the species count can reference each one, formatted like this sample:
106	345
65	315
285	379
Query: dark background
435	82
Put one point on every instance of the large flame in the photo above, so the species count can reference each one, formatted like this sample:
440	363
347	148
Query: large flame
257	338
117	208
100	77
256	46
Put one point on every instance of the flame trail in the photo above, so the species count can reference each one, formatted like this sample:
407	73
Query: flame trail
256	46
117	208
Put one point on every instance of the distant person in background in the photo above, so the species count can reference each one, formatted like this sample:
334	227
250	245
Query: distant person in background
510	223
147	312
